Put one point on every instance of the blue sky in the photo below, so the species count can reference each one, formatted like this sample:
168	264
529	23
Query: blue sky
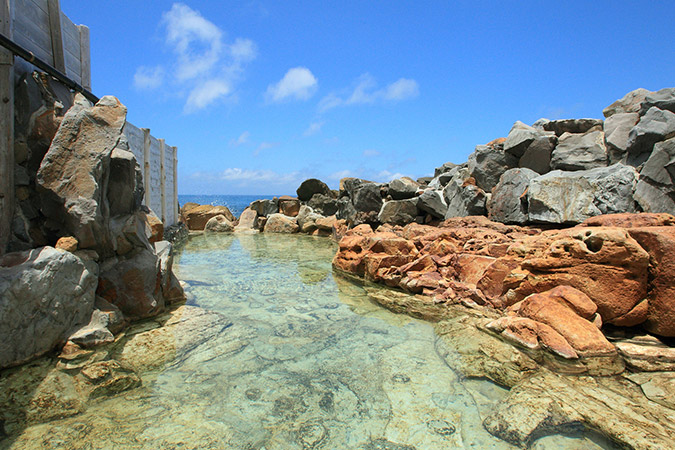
261	95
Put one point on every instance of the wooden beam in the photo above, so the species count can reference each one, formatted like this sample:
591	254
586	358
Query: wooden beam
175	185
146	164
162	179
56	35
6	129
85	57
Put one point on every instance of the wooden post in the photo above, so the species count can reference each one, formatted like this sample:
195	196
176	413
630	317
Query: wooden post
175	185
85	57
54	8
6	129
146	164
162	180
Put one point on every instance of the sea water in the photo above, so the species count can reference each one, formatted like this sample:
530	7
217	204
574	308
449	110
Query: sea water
302	359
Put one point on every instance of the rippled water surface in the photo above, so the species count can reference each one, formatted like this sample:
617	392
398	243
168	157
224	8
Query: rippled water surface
304	360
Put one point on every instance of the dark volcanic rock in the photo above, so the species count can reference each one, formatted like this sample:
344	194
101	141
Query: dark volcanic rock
662	99
537	157
398	212
403	188
580	151
310	187
656	125
486	164
433	202
323	204
630	103
655	192
576	126
617	129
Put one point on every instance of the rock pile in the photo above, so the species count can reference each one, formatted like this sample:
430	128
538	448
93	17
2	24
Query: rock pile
85	255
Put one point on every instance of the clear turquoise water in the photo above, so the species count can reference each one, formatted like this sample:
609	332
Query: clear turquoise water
236	203
297	359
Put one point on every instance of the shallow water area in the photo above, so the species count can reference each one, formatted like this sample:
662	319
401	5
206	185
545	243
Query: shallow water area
289	356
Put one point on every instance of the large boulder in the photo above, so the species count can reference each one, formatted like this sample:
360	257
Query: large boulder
508	203
432	202
629	103
247	220
403	188
605	263
398	212
289	206
519	138
310	187
662	99
74	174
133	284
655	126
617	130
572	197
45	294
486	164
323	204
655	192
580	151
537	156
265	207
219	224
196	218
463	197
447	167
125	183
279	223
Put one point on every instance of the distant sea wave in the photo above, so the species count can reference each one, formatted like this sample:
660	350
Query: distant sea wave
235	203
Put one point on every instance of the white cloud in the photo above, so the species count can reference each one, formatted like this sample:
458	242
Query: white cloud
365	92
148	77
205	93
196	41
298	84
251	177
340	174
313	128
241	140
371	152
401	89
205	68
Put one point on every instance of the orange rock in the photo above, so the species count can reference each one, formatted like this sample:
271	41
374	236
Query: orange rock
197	216
496	142
289	206
630	220
660	243
556	308
470	268
533	335
156	228
67	243
605	263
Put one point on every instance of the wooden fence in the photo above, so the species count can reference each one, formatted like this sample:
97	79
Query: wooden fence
40	27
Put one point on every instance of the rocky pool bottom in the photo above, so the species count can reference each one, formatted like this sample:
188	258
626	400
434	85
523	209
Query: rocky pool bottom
275	351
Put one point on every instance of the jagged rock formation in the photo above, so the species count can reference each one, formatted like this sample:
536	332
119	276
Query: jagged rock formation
80	191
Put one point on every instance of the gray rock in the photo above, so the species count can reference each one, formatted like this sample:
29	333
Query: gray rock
73	175
323	204
463	199
132	285
279	223
346	210
349	186
630	103
265	207
306	216
403	188
486	164
580	151
424	181
662	99
576	126
655	192
171	289
431	201
398	212
95	333
537	157
508	203
310	187
45	294
519	138
125	182
447	167
367	198
572	197
655	126
442	180
219	224
617	128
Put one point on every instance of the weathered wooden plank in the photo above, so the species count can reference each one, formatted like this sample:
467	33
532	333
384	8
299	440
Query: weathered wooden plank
146	164
42	4
85	61
162	179
69	28
59	59
6	129
72	45
73	69
31	46
135	138
30	10
34	31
